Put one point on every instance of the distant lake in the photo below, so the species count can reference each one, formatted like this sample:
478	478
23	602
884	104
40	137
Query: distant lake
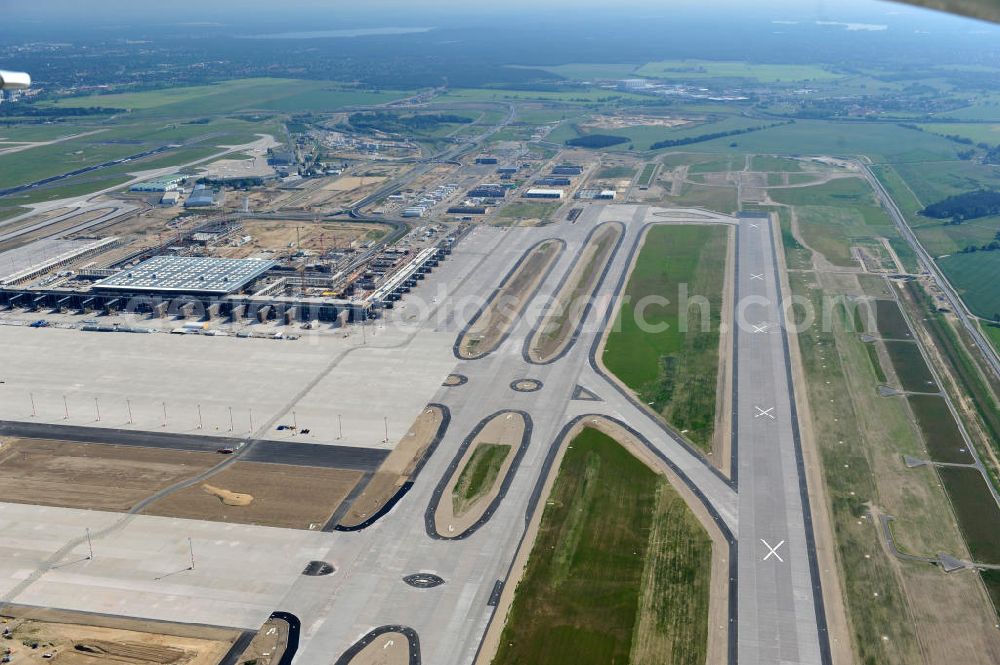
334	34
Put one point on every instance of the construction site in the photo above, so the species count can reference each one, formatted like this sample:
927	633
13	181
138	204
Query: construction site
239	266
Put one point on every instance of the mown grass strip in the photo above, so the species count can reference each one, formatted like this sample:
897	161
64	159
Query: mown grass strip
619	571
479	475
668	351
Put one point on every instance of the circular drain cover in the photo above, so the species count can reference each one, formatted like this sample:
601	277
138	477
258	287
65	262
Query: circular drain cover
526	385
318	568
423	580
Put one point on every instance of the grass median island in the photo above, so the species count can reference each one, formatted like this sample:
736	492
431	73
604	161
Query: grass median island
479	475
674	371
619	572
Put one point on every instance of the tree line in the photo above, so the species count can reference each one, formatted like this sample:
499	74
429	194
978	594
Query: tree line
961	207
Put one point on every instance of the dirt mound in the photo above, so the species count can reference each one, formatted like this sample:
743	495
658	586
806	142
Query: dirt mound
229	498
130	652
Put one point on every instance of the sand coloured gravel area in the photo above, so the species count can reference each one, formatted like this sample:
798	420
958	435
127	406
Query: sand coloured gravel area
386	649
397	468
486	332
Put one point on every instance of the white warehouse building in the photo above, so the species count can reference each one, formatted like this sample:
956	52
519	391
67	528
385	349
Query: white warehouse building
544	194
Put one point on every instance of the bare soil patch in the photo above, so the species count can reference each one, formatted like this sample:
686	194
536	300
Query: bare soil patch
559	323
348	183
293	497
624	121
493	323
136	643
455	380
397	468
91	475
386	649
310	236
268	645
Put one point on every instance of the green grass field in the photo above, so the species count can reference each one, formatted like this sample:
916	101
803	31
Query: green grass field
837	215
616	172
992	333
200	140
646	177
619	572
935	180
675	368
979	132
541	210
585	71
939	237
581	96
541	115
29	133
881	141
974	277
845	439
263	94
723	163
700	69
719	199
774	164
479	475
642	137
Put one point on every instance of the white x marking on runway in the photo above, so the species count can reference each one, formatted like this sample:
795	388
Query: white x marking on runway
756	276
764	412
772	551
754	226
759	329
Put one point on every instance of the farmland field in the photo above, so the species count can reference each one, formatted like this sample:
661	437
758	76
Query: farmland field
977	132
944	440
910	367
124	140
674	369
880	141
238	95
619	571
974	276
700	69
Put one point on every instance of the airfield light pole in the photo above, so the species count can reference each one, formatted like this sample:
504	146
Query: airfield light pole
65	408
90	545
32	396
200	423
295	422
97	407
191	551
164	414
231	427
251	421
386	419
128	405
340	425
